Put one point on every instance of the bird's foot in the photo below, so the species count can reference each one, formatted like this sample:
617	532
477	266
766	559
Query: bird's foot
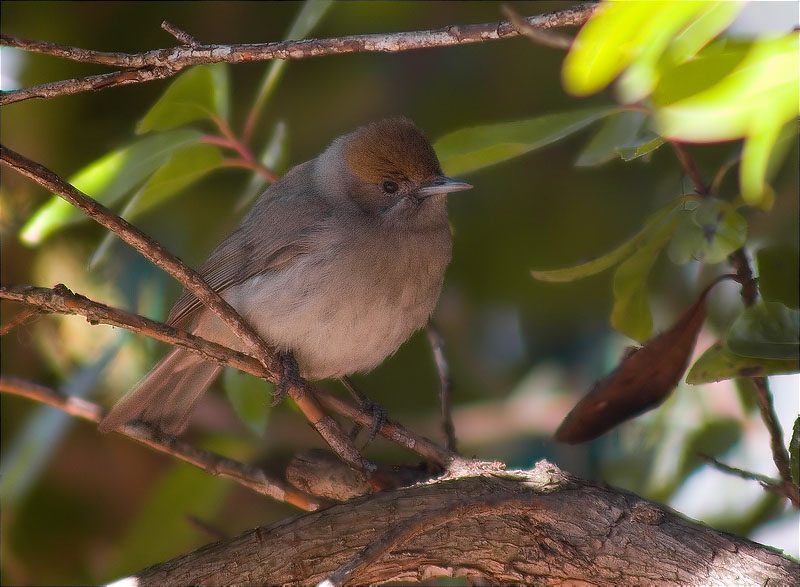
289	379
379	415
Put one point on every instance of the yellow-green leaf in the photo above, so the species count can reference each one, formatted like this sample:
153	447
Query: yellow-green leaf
107	179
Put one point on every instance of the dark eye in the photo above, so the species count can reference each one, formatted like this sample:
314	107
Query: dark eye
389	187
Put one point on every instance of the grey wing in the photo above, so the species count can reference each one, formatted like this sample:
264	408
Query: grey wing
274	233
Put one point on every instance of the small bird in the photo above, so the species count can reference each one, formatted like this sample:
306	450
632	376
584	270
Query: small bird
337	264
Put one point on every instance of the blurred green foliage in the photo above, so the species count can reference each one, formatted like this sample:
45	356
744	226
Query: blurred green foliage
487	107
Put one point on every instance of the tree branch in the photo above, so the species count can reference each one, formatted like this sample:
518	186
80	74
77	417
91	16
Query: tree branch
164	63
246	475
60	300
327	427
492	526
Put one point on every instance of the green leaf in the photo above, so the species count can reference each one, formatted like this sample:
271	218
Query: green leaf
766	330
620	34
631	313
106	180
719	363
615	256
185	167
200	92
476	147
779	274
617	130
646	144
309	17
709	234
794	452
250	398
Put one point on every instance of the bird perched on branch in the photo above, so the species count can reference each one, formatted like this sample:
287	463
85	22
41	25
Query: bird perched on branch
336	265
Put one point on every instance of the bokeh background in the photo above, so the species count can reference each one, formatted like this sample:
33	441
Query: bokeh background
78	507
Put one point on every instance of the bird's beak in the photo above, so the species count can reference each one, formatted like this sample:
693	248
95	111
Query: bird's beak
441	185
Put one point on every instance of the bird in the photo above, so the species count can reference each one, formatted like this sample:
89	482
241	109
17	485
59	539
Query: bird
336	265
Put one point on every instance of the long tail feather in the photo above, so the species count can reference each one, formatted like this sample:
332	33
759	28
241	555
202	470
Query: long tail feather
167	395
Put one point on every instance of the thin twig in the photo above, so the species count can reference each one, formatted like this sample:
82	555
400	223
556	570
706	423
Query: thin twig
243	474
164	63
775	485
445	384
326	426
535	34
22	317
749	293
691	169
60	300
180	34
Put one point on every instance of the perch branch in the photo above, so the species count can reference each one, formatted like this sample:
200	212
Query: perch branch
243	474
327	427
164	63
494	527
60	300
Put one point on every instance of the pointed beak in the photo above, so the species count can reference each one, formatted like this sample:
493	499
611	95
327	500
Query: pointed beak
441	185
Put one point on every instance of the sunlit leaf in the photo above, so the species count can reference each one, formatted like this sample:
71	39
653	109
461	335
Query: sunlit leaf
631	313
620	34
621	252
779	274
198	93
250	398
107	179
186	166
617	130
762	85
719	363
472	148
709	234
766	330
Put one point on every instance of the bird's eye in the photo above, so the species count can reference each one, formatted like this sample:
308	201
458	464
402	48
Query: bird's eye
389	187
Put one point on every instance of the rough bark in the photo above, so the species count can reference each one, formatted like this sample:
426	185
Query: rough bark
538	527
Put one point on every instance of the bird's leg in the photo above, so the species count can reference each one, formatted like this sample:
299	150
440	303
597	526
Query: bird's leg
290	377
379	416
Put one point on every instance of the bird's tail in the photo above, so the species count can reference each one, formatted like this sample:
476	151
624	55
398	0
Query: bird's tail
167	394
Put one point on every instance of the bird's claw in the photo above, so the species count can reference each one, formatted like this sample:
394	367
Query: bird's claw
289	379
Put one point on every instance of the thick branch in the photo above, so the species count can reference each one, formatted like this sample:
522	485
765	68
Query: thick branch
327	427
243	474
164	63
497	527
62	301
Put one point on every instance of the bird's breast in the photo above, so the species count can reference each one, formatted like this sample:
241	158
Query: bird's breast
352	300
